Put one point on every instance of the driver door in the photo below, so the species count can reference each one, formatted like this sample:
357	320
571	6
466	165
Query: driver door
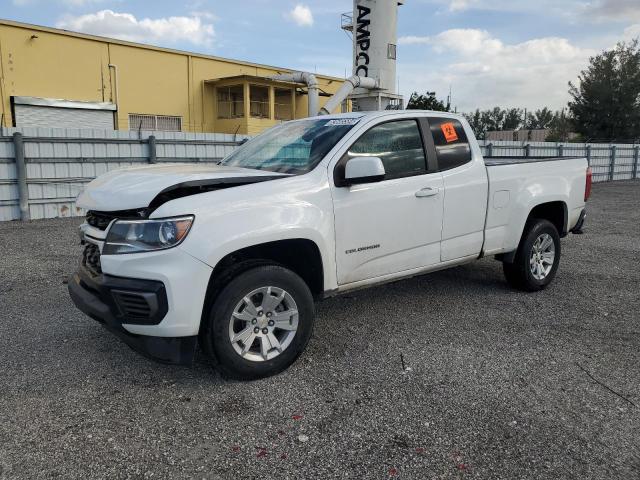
395	224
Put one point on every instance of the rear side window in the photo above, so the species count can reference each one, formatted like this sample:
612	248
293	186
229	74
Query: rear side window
452	145
399	146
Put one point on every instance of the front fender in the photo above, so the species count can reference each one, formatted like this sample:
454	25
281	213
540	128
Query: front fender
233	219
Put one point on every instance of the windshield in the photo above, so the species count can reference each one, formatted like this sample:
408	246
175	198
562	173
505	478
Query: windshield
293	147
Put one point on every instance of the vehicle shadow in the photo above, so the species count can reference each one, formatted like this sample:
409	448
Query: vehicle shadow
482	281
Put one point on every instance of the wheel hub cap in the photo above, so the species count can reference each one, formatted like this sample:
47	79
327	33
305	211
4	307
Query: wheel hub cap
263	324
543	254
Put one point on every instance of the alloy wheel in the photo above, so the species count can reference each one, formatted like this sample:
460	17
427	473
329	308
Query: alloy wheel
543	254
263	324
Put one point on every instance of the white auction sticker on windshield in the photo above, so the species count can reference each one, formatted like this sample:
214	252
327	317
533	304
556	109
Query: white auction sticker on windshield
341	121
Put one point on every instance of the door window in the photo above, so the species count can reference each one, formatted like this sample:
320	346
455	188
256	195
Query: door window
452	145
399	146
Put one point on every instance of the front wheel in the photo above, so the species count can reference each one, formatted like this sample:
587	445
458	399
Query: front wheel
259	323
537	259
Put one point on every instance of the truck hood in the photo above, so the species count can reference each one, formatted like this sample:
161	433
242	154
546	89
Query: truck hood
150	186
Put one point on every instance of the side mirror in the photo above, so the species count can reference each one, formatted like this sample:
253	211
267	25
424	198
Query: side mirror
363	170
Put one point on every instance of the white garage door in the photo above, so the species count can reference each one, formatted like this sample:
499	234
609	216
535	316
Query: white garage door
40	112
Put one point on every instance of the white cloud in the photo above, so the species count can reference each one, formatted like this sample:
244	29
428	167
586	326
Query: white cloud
205	15
301	15
632	32
564	8
465	41
461	5
414	40
484	71
125	26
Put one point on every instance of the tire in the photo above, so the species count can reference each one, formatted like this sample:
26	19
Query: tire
280	345
522	273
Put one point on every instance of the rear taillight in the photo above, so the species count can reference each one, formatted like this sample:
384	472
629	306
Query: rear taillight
587	187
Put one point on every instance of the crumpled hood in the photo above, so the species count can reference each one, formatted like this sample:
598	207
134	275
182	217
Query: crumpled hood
136	187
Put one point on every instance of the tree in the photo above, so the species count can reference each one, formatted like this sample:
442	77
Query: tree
483	121
606	102
560	127
540	119
428	101
498	119
494	119
477	123
512	119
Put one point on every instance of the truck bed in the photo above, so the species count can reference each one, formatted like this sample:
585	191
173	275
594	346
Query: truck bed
522	182
498	161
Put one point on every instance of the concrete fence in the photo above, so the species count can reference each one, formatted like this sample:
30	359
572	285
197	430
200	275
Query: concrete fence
42	170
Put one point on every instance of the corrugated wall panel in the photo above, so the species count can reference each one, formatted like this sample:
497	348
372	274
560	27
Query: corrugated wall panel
8	192
73	150
8	171
75	170
88	170
9	212
6	148
101	168
36	212
181	151
45	150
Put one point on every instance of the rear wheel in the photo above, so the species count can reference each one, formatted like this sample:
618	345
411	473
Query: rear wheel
537	259
259	323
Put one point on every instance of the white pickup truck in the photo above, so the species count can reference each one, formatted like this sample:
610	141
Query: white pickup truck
232	256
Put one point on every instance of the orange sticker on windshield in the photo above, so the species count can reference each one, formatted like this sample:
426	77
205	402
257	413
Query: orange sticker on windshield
449	131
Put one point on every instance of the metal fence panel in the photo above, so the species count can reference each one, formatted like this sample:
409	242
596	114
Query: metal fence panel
61	162
8	182
607	161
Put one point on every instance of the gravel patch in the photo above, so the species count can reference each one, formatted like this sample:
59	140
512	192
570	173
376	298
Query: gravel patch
497	384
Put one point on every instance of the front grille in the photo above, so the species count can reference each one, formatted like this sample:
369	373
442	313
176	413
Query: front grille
101	220
133	305
91	258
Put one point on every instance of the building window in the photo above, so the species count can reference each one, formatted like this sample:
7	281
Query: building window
164	123
231	101
391	51
283	104
259	103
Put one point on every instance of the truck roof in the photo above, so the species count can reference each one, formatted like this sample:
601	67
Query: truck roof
383	113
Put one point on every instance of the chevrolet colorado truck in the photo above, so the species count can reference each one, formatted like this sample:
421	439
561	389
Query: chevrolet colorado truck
232	256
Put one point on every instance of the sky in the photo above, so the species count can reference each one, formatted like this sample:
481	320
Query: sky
515	53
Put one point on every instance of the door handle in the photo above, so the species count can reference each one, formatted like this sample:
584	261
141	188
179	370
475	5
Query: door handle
427	192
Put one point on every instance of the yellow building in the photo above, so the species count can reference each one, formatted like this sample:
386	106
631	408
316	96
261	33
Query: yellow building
55	78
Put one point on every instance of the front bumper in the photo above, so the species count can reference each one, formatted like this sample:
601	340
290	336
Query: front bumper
114	301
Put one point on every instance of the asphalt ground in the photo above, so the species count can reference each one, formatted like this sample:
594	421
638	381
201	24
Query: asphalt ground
502	384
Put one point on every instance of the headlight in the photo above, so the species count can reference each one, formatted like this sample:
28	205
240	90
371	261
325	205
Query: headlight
133	236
